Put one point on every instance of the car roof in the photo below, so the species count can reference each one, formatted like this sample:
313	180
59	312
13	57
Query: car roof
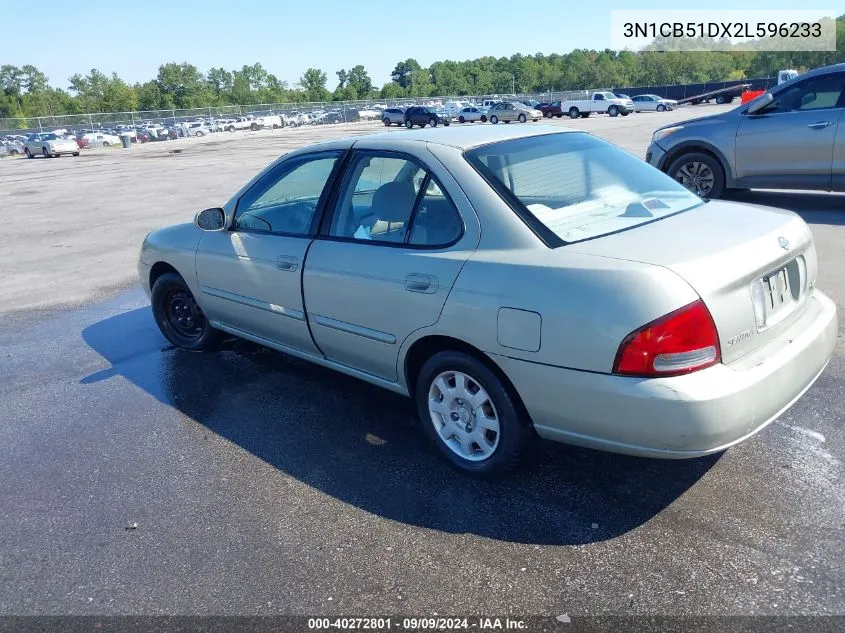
463	137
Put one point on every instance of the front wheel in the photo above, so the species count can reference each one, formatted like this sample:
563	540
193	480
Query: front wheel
76	153
700	173
178	315
470	415
106	144
28	153
45	153
522	118
494	119
409	124
626	113
386	122
484	118
461	119
432	122
661	107
613	111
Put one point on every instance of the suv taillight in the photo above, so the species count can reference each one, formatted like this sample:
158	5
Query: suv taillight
680	342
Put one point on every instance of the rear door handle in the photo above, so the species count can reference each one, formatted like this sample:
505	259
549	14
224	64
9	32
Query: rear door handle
287	262
421	283
820	124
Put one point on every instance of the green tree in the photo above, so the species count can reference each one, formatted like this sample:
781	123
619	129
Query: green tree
404	71
313	83
184	84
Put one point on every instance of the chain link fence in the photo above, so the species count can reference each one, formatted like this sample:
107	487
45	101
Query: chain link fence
347	110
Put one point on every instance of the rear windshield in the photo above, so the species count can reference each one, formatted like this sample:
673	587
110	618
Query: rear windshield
573	186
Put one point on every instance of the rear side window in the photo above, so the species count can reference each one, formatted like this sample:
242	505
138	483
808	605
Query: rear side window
391	199
571	187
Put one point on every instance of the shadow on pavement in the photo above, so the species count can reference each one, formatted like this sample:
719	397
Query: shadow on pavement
814	207
361	444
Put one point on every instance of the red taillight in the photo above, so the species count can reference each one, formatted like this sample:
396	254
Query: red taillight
681	342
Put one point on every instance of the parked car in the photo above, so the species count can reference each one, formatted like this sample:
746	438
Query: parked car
101	139
13	147
422	116
550	110
330	117
507	112
268	121
157	132
393	116
600	102
197	128
49	146
471	114
786	138
663	336
652	103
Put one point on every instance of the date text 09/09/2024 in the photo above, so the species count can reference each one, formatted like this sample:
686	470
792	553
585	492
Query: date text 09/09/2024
723	29
414	624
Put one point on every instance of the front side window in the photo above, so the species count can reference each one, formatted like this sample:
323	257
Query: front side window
599	97
816	93
287	202
573	186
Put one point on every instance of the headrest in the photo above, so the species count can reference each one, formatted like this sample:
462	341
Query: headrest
393	201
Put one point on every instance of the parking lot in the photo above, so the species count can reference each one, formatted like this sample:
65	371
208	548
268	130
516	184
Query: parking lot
143	480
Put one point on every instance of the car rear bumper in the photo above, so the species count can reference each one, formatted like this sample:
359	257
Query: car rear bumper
683	416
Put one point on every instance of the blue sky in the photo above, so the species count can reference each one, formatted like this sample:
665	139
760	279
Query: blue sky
288	36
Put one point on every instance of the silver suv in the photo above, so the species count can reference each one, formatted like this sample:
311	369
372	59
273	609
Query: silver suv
784	139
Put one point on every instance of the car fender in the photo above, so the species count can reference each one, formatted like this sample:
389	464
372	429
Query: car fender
176	246
698	144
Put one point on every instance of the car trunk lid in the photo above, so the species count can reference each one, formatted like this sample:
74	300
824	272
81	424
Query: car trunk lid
751	265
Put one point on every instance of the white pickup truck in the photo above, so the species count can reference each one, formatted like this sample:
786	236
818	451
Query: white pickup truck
230	125
599	102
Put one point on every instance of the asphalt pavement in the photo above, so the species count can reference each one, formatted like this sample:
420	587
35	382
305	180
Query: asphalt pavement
137	479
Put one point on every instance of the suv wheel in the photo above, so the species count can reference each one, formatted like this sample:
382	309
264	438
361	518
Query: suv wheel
386	122
522	118
700	173
494	119
409	124
432	122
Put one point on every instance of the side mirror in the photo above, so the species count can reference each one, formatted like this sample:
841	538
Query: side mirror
760	102
210	219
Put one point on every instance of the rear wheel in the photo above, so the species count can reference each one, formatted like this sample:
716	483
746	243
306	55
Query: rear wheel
574	113
432	122
484	118
76	153
409	124
179	317
700	173
548	115
106	144
461	119
470	415
386	122
585	115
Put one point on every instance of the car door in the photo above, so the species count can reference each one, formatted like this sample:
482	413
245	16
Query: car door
250	276
838	166
387	257
790	142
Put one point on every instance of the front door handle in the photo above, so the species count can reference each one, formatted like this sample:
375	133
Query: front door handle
421	283
288	263
820	125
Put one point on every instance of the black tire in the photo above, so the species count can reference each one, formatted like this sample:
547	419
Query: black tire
386	122
484	118
28	153
45	153
446	123
432	122
522	118
76	153
585	115
720	99
494	119
200	133
574	113
689	159
409	124
179	317
231	128
515	432
613	110
661	107
106	144
275	126
461	119
548	115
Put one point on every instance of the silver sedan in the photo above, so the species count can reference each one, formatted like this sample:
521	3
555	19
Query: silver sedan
49	145
514	282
